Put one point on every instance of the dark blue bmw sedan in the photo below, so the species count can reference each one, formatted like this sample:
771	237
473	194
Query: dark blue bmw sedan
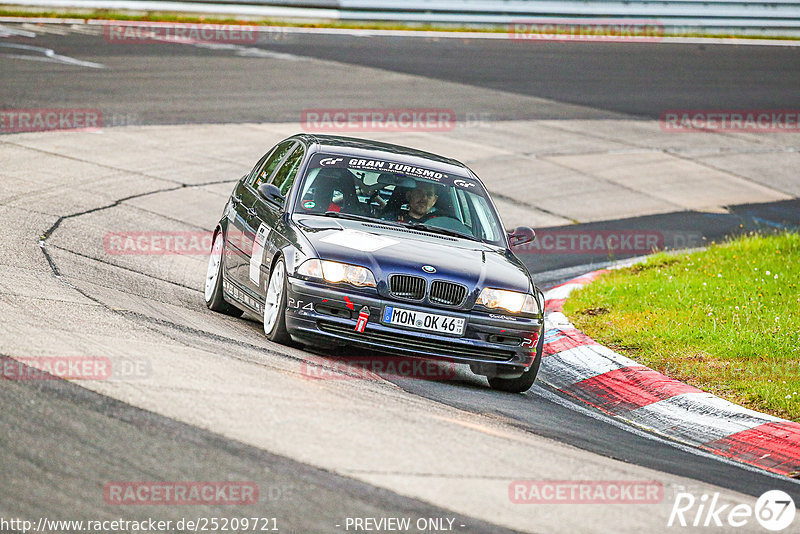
338	241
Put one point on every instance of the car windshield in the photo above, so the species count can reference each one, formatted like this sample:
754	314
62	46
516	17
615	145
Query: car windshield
391	192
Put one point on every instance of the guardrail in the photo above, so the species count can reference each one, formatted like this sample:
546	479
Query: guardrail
779	17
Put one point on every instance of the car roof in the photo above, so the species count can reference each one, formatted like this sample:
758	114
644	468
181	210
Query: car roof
375	149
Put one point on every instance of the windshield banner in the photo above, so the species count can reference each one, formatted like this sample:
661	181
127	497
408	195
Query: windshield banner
380	165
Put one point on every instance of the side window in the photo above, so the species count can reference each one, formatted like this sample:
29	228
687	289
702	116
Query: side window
484	222
257	167
286	175
262	175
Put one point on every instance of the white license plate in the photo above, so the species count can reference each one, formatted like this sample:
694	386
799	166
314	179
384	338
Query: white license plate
423	321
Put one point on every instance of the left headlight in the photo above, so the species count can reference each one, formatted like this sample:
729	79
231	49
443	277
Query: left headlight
337	273
512	301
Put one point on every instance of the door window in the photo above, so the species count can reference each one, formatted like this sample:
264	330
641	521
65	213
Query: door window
263	173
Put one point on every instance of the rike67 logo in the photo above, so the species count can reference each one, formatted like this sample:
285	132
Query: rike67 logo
774	510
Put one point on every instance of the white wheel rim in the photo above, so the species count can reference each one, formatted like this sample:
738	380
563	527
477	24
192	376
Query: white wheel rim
272	303
214	262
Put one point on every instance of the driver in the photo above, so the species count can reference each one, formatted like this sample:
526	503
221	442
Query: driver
421	200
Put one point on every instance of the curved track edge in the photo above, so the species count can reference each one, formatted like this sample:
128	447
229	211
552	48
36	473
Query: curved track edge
593	374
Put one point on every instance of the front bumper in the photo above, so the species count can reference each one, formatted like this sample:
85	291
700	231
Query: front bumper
320	314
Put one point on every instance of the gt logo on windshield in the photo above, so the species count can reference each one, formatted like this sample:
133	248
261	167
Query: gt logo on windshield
329	161
462	183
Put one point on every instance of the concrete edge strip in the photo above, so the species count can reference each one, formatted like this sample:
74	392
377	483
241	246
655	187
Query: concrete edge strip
595	375
355	32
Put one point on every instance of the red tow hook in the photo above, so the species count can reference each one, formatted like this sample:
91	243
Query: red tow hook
363	317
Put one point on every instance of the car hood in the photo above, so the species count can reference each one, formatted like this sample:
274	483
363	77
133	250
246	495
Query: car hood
390	250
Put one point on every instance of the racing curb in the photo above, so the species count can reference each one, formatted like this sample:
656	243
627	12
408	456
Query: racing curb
596	375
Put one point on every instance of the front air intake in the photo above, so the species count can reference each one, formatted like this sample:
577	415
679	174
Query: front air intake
407	287
447	293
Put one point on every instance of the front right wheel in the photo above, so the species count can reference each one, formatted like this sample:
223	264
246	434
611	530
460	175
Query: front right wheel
275	304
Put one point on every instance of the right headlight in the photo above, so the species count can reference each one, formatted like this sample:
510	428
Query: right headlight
337	273
513	301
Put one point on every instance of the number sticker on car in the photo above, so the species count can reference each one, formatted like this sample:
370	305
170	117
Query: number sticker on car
432	322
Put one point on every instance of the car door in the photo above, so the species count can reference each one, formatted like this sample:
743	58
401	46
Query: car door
242	229
269	222
236	224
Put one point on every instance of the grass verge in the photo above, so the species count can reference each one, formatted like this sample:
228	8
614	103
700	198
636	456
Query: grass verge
726	319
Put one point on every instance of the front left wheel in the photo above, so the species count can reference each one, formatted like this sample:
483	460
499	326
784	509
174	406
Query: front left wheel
275	305
522	383
213	291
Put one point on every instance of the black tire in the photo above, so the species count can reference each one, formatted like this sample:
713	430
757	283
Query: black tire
517	385
277	330
215	299
524	382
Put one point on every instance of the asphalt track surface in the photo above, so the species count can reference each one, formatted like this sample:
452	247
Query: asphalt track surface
92	438
167	84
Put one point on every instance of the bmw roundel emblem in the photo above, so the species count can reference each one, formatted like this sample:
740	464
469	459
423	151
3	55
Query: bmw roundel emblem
429	268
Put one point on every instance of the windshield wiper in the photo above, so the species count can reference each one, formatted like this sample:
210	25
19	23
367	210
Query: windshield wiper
440	230
340	215
415	226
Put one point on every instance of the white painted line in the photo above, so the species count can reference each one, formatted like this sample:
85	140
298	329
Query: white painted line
41	20
84	29
52	29
13	32
239	50
48	54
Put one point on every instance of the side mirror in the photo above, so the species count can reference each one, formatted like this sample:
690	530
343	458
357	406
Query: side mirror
270	193
521	235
